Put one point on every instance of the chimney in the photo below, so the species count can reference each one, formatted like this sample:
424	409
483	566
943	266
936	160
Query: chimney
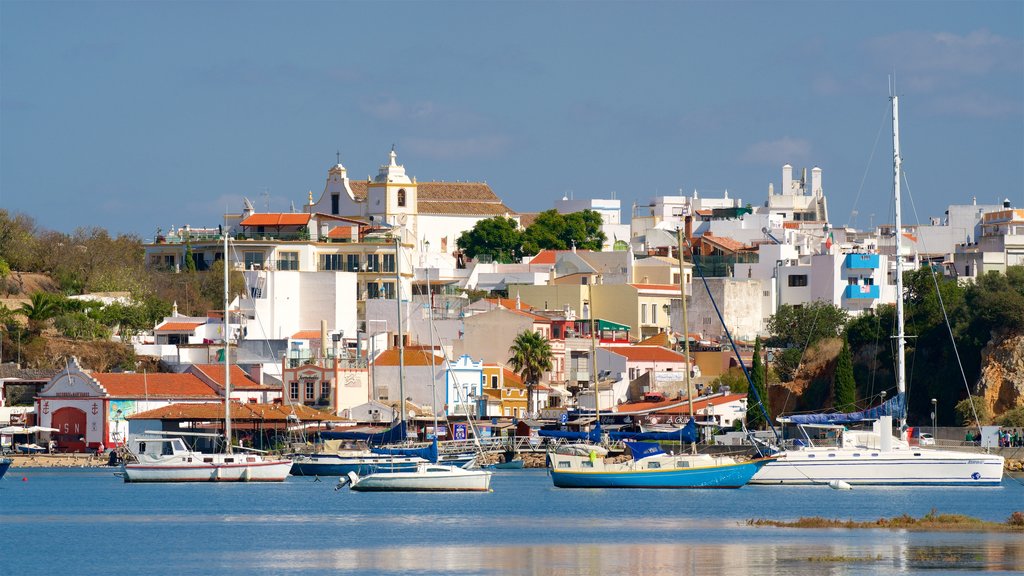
256	373
815	181
787	179
688	230
323	338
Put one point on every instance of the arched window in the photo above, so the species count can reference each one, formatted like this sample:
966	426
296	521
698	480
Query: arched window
401	197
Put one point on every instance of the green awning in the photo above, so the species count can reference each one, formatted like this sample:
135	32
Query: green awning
603	325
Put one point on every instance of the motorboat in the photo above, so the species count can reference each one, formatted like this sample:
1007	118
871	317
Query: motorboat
428	477
169	459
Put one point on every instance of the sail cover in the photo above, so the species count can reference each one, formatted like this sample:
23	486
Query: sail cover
891	407
393	435
643	449
687	433
428	453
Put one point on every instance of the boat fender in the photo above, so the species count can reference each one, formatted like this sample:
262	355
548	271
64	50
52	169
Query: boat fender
839	485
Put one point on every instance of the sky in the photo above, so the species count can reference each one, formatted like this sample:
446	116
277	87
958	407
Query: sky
134	116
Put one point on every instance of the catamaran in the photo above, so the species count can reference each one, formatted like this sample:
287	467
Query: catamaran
164	456
876	456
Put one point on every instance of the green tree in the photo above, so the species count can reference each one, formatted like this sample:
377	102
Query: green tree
804	326
759	378
499	237
844	387
39	310
554	231
966	415
190	261
530	357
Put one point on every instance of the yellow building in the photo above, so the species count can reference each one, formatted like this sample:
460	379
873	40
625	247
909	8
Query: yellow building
506	393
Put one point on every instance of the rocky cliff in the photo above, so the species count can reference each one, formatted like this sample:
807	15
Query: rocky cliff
1002	373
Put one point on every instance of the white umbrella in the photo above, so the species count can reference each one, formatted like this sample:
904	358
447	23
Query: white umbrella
34	429
15	430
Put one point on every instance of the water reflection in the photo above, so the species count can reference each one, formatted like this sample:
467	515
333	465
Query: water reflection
908	554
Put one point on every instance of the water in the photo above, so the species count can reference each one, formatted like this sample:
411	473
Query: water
89	522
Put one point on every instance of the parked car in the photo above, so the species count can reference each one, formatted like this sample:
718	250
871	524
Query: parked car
926	440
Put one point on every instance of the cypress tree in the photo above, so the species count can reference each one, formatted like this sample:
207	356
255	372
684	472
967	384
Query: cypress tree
844	387
758	377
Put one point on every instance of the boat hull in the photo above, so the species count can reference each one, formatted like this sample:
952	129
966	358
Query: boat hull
877	468
5	463
457	480
513	465
331	465
272	471
724	476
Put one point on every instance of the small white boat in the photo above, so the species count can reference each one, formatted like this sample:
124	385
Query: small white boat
427	477
170	460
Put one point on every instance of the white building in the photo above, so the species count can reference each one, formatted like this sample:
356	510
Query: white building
616	233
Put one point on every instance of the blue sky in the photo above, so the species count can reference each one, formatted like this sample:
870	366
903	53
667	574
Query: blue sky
138	115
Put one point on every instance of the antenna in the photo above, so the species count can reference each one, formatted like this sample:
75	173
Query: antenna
266	199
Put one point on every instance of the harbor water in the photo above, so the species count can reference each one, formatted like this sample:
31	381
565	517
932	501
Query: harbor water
88	521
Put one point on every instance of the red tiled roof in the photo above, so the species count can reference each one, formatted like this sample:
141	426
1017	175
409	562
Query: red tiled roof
389	357
646	353
275	219
724	242
240	380
679	406
179	327
306	335
660	339
342	232
545	257
511	376
524	310
213	411
160	385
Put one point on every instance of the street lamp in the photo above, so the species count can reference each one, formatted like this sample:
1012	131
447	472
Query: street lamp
934	429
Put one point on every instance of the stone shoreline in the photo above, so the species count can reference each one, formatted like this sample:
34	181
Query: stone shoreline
57	461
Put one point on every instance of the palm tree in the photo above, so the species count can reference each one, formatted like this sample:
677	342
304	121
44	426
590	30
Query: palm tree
531	357
41	308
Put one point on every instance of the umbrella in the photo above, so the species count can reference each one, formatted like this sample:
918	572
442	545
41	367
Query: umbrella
15	430
34	429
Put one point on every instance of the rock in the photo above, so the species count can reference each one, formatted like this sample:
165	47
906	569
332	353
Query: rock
1002	373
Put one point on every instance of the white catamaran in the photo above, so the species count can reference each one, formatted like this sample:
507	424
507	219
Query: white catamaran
164	456
877	457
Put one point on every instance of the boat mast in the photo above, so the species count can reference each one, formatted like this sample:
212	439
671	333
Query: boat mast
433	370
227	354
593	357
901	384
686	333
401	336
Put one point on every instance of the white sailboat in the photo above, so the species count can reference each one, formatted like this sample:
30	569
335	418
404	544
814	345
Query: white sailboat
164	456
877	457
428	476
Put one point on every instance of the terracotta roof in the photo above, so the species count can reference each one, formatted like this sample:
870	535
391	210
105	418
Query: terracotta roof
527	218
342	232
178	327
524	310
239	411
447	197
672	287
160	385
545	257
646	353
511	376
660	339
389	357
463	207
240	380
724	242
272	219
306	335
679	406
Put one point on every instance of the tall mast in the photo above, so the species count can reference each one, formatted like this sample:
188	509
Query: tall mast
686	330
401	336
433	370
593	358
227	354
901	383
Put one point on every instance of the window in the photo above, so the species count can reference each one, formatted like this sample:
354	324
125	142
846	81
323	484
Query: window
869	281
798	280
643	313
253	260
851	281
389	263
325	390
169	260
373	263
508	411
288	261
294	391
372	290
388	290
401	197
494	381
334	203
330	262
654	313
352	262
310	390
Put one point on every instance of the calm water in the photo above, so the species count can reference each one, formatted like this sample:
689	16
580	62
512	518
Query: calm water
89	522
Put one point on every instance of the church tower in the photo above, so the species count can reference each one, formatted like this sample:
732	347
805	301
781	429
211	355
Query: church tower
392	194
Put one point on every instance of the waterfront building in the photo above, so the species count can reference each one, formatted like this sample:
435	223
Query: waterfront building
998	245
336	384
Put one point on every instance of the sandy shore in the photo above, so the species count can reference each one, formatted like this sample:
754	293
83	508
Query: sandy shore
57	461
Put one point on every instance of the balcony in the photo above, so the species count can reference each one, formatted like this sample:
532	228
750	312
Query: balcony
861	292
861	261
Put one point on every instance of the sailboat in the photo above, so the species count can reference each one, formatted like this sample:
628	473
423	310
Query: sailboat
876	456
164	456
5	463
429	476
585	466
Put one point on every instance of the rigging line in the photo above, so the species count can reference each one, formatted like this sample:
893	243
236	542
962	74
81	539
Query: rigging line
863	178
728	335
